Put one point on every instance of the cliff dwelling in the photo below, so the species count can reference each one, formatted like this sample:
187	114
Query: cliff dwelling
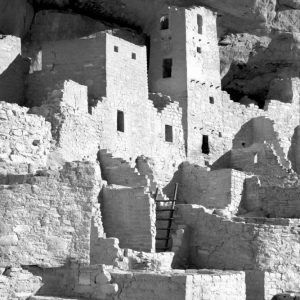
149	150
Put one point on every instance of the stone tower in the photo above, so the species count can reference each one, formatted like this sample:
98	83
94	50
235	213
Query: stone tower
185	64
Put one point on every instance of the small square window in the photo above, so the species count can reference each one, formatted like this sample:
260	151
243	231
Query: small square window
199	49
120	121
211	100
168	133
116	48
164	22
133	55
167	67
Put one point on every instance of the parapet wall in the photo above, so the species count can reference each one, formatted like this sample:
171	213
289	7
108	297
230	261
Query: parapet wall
24	140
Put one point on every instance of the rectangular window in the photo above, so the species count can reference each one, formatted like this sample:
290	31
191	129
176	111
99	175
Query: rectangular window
199	23
168	133
199	49
116	48
211	100
133	55
164	22
205	144
120	121
167	67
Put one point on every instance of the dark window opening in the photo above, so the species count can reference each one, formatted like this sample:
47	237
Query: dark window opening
244	144
199	49
120	121
205	144
211	100
167	67
116	48
133	55
168	133
199	23
220	134
164	22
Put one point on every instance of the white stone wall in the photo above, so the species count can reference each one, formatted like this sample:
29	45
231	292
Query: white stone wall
129	215
46	219
24	140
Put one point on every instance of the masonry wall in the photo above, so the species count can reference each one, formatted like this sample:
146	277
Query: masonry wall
223	120
81	60
180	285
46	219
212	189
242	244
13	70
24	140
129	215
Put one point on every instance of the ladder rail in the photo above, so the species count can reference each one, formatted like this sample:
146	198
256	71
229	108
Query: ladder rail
169	218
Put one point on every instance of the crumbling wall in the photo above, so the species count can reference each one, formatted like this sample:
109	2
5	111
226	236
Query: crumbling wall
129	215
242	244
19	284
46	220
76	133
24	140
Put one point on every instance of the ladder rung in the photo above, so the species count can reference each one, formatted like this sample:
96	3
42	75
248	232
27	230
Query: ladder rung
165	209
163	200
164	219
162	239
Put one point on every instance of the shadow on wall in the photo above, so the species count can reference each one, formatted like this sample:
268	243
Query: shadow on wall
294	153
12	81
266	66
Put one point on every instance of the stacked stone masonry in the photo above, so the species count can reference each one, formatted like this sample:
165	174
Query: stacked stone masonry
112	127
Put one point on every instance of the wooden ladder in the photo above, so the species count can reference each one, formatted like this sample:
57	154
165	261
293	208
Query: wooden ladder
169	218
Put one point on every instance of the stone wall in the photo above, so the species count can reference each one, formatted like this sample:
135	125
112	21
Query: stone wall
129	215
24	140
179	285
82	60
46	218
242	244
212	189
19	284
13	70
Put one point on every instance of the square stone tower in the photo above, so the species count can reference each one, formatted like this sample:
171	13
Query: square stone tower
185	64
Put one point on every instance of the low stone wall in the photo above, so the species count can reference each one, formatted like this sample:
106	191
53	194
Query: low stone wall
129	215
24	140
213	189
19	284
241	244
180	285
47	219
